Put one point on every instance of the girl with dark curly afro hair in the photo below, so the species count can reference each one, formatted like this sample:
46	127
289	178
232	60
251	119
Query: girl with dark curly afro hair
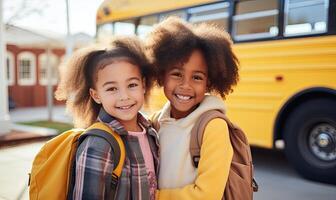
196	68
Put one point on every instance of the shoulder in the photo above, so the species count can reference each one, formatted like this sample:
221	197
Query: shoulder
216	125
94	143
216	138
216	129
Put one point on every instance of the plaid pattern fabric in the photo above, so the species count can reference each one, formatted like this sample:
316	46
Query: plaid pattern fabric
94	165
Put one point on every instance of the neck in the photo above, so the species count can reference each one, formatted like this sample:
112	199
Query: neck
131	125
176	114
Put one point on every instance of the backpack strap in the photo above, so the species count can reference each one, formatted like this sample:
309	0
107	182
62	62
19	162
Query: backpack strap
197	133
99	129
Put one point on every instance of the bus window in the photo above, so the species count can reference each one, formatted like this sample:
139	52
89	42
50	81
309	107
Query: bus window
255	19
299	18
215	13
179	13
104	31
124	28
146	25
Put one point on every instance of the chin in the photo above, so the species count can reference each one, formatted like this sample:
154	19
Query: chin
184	110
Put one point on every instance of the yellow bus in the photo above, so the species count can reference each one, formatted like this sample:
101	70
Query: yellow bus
286	97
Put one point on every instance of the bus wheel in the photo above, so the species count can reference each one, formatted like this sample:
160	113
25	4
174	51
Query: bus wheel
310	140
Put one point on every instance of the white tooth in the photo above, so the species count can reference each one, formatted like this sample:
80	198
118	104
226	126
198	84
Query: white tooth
124	107
183	97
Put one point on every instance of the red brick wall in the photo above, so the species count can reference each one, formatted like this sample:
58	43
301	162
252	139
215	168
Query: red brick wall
34	95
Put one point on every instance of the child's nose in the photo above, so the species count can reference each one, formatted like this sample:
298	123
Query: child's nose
185	84
123	95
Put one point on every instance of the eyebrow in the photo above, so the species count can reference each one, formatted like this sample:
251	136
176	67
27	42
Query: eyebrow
114	82
198	71
204	73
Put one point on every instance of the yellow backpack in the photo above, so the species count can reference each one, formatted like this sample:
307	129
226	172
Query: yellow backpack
50	177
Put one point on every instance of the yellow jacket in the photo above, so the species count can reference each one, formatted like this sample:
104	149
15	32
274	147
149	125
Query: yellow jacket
208	181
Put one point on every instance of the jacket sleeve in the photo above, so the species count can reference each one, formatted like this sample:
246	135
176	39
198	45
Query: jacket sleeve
93	172
213	168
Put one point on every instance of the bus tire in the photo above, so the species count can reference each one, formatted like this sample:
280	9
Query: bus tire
310	140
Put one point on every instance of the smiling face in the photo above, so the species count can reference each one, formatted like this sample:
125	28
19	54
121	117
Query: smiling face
185	86
119	88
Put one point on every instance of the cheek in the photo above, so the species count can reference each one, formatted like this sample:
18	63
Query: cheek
168	89
202	89
169	84
139	94
168	92
108	99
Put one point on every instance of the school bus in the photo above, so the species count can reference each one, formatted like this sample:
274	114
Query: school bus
286	95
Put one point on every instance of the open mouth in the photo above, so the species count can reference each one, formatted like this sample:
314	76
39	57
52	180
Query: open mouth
125	107
183	97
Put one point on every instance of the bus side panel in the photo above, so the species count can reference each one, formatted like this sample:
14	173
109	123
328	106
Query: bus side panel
114	10
271	73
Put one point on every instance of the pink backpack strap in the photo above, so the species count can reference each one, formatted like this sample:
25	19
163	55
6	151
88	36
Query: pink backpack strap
197	133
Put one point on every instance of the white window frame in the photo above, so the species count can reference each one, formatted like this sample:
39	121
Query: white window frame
256	15
10	57
54	62
31	57
178	13
306	30
208	17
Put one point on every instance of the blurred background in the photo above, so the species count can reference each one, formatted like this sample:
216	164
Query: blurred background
285	100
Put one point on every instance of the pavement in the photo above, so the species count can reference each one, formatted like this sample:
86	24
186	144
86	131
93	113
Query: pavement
39	113
15	164
20	134
19	147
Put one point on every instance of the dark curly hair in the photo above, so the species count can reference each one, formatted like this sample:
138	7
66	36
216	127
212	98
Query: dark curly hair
79	74
172	41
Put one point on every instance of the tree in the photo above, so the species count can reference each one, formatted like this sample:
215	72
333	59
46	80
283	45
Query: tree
15	10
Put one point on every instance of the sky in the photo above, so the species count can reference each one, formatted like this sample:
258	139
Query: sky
50	15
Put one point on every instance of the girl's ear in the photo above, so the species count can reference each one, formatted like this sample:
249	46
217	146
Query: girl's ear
94	95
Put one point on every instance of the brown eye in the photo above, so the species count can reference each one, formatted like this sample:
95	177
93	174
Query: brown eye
112	89
197	77
176	74
132	85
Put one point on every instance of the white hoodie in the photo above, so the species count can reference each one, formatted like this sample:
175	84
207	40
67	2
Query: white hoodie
176	169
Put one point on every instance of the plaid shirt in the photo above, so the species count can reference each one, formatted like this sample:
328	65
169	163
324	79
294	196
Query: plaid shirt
94	165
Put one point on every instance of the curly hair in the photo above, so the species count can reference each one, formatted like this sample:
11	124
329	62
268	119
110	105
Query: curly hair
79	74
172	41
